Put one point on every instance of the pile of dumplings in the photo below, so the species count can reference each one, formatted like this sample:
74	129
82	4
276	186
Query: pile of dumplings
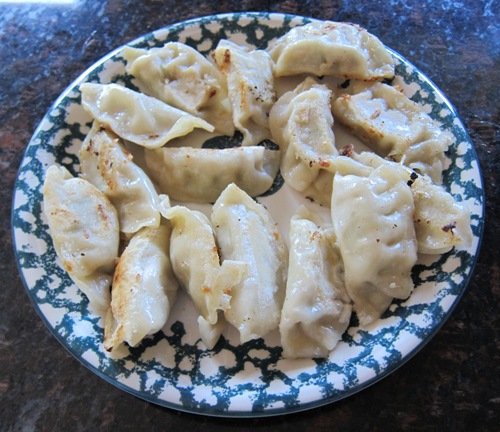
129	248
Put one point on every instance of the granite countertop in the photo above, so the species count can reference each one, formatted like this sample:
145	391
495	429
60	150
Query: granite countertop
453	383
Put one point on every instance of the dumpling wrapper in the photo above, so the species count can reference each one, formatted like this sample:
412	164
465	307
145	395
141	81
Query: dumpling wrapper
317	309
108	165
196	263
333	49
246	232
373	222
182	77
441	222
85	231
301	124
394	126
200	175
250	85
144	289
136	117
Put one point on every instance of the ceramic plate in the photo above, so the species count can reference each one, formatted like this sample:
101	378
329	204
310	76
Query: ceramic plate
172	368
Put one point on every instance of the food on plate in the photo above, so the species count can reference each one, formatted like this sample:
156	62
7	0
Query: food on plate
246	232
136	117
373	223
386	205
209	280
440	221
301	124
190	174
180	76
108	165
394	126
317	309
334	49
85	232
144	289
250	85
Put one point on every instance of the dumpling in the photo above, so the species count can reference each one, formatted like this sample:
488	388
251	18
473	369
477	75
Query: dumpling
196	263
301	124
331	48
373	222
136	117
317	309
250	86
108	165
144	289
85	232
246	232
180	76
441	222
200	175
394	126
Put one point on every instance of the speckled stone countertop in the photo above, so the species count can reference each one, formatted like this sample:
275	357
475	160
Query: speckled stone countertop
453	383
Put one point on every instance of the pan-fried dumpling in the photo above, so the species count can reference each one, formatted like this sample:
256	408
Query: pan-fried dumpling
394	126
200	175
144	289
334	49
301	124
85	232
250	86
246	232
373	222
180	76
196	263
108	165
441	222
136	117
317	309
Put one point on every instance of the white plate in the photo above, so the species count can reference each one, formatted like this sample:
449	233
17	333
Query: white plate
173	368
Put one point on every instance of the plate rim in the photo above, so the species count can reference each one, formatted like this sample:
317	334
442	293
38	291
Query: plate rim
267	412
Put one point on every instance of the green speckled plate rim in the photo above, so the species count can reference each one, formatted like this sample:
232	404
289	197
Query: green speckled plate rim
422	79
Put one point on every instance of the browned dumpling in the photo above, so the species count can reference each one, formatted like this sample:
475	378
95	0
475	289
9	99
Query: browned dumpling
250	85
334	49
144	289
317	309
85	232
108	165
301	124
373	223
197	265
246	232
394	126
180	76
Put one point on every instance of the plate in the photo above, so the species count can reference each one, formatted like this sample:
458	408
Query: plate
172	368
